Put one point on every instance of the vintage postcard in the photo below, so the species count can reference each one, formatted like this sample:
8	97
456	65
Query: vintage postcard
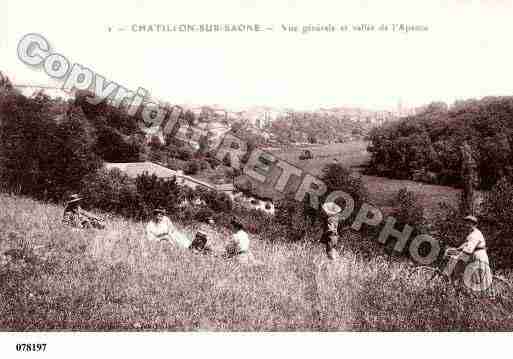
175	167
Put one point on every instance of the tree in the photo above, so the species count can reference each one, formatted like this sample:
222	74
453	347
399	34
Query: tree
76	157
43	156
338	178
470	178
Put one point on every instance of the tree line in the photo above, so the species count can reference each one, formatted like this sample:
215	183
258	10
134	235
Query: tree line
427	146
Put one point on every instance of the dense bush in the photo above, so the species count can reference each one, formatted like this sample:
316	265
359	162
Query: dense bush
447	225
290	220
408	211
498	206
158	192
191	168
214	162
338	178
498	223
217	201
115	192
286	210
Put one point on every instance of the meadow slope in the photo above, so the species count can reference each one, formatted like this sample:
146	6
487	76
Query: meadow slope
56	278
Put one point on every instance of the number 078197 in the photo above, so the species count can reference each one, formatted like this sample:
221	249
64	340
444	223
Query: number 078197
30	347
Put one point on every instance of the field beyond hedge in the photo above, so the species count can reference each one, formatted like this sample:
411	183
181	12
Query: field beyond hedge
56	278
381	190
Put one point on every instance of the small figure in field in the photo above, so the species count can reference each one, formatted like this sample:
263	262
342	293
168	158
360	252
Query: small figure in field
239	244
75	216
474	248
205	231
160	228
331	220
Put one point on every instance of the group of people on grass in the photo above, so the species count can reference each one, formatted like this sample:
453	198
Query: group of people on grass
161	228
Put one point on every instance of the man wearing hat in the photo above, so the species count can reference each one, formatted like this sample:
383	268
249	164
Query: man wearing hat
75	216
475	247
330	228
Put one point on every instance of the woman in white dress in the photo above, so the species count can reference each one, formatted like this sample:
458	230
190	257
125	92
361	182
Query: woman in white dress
477	275
160	228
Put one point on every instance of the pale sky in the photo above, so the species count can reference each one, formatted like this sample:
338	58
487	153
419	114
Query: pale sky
466	53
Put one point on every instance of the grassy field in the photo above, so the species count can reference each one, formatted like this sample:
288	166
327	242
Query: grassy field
350	154
53	277
381	190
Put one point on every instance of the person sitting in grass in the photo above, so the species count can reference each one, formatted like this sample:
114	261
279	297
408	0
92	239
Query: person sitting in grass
75	216
238	247
205	231
160	228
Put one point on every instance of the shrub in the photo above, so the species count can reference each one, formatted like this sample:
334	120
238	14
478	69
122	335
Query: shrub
446	226
217	201
255	221
184	154
113	191
204	165
191	168
338	178
498	206
408	211
157	192
214	162
289	215
497	224
203	214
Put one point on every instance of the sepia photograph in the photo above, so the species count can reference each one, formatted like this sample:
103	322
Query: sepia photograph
181	169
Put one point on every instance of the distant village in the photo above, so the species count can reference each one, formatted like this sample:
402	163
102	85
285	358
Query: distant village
258	121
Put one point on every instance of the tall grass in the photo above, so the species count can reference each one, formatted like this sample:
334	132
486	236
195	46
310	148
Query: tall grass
54	277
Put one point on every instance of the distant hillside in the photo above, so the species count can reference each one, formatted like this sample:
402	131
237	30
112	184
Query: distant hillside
426	146
327	126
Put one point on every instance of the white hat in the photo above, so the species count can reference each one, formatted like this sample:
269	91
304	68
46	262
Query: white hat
331	208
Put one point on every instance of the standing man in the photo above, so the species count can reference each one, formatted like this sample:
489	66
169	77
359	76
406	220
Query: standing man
331	220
